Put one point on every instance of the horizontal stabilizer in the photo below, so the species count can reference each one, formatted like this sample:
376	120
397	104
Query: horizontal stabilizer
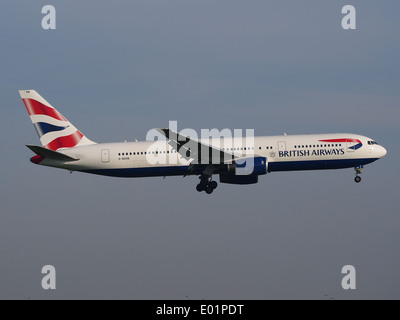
47	153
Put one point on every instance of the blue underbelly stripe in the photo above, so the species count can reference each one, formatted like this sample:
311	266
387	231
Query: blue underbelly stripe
317	164
272	166
142	172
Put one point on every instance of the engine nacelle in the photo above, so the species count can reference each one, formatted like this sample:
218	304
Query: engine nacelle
248	166
244	171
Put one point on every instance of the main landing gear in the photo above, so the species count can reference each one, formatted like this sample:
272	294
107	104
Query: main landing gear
358	172
206	184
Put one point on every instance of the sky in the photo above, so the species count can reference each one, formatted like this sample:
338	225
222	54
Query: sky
118	69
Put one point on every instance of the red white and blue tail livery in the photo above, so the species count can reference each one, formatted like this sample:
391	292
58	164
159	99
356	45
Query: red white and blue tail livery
54	130
236	160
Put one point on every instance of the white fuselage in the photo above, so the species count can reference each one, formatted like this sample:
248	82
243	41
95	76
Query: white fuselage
283	153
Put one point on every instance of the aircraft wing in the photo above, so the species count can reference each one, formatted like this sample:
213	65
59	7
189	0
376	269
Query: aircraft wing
198	152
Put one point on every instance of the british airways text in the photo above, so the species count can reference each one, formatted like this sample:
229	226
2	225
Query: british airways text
308	153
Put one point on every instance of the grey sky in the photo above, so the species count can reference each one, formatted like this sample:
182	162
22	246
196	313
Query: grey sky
117	69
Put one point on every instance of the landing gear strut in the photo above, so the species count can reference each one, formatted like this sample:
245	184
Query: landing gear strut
206	184
358	172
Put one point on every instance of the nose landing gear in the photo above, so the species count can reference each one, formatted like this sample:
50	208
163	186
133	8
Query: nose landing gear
206	184
358	172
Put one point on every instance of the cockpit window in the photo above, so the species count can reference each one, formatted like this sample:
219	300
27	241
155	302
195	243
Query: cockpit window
372	142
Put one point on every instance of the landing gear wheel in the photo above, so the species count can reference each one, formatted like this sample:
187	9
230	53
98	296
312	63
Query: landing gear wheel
213	184
358	172
209	190
206	184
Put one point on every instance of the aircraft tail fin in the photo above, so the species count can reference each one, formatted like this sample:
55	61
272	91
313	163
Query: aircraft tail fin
54	130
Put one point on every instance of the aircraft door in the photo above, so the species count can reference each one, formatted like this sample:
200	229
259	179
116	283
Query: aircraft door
105	156
282	146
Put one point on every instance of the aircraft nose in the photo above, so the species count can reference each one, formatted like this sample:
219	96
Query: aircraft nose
382	152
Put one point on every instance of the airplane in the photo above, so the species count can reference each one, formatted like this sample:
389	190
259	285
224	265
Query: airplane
237	160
